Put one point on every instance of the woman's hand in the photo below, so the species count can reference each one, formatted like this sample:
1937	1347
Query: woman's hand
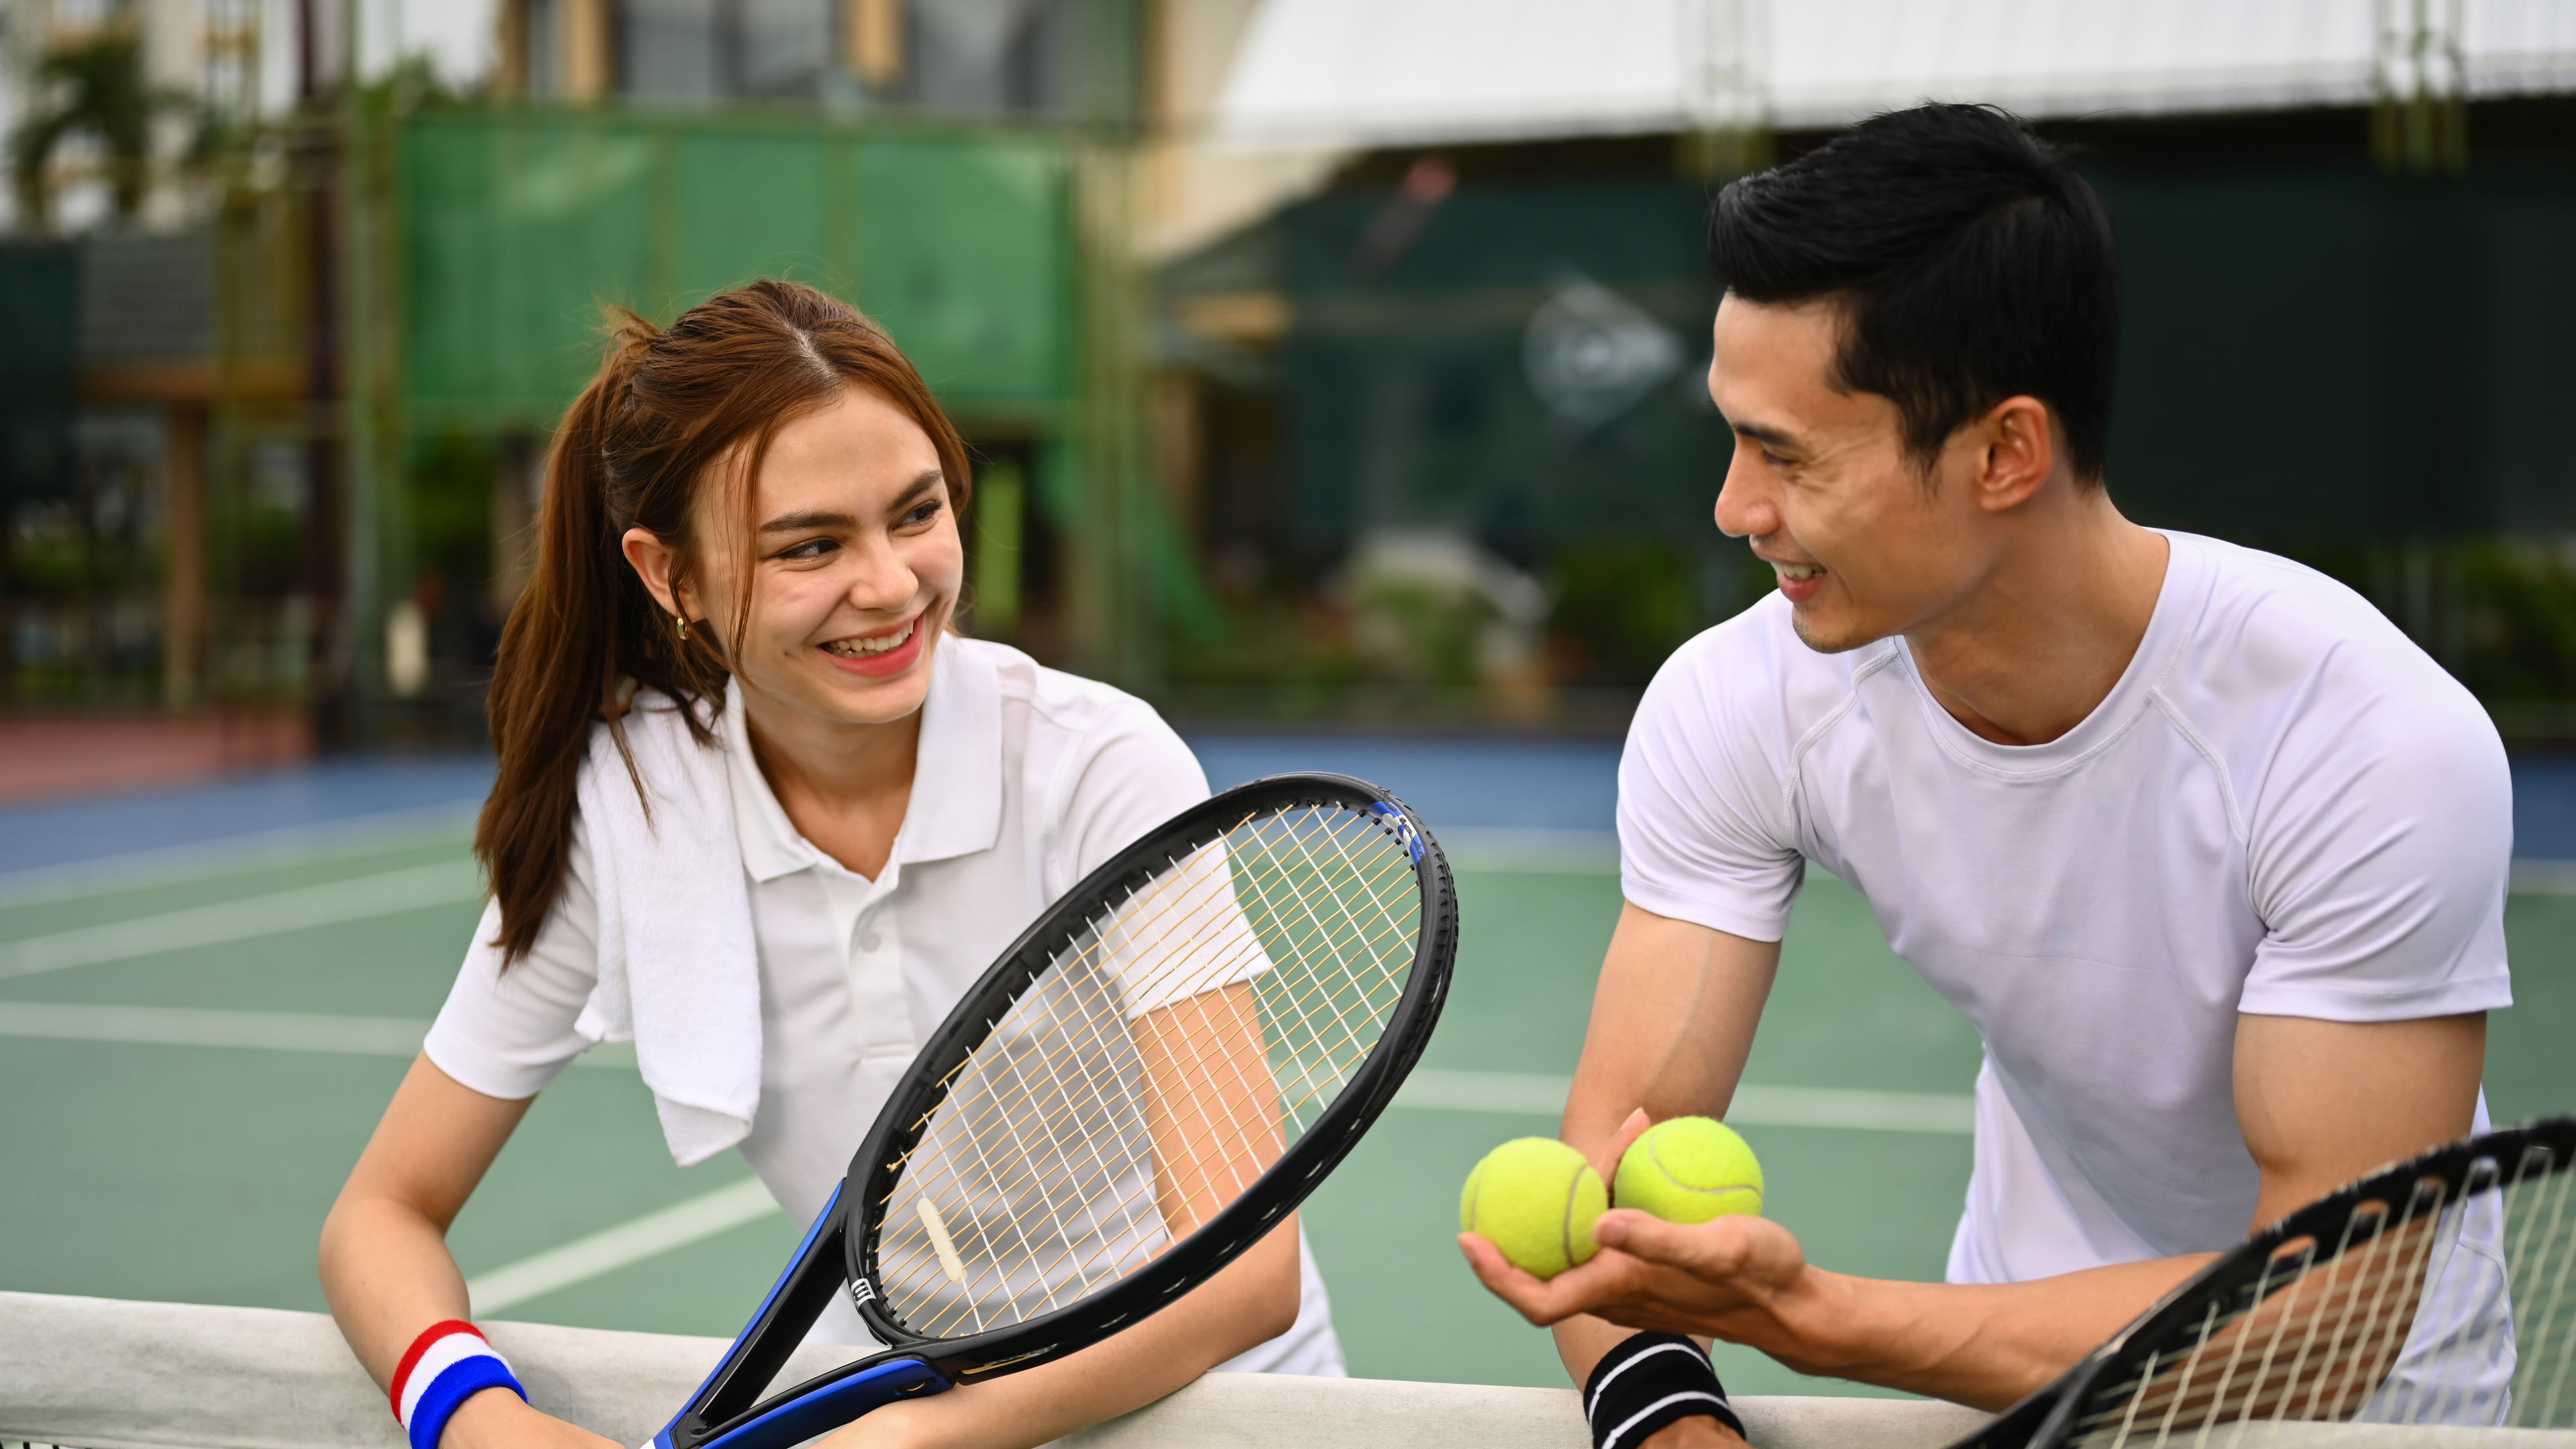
499	1419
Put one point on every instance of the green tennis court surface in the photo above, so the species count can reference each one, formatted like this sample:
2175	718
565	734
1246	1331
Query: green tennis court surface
191	1061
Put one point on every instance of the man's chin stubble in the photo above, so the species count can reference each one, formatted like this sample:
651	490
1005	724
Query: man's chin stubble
1826	644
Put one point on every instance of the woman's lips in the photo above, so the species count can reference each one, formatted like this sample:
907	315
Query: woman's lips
878	663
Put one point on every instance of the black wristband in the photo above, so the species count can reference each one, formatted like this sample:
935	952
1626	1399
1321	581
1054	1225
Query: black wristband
1647	1382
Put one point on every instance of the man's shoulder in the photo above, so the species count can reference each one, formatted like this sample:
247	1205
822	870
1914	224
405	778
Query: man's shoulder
2310	699
2278	638
1753	670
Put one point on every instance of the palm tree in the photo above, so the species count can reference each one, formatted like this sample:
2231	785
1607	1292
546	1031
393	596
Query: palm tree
94	85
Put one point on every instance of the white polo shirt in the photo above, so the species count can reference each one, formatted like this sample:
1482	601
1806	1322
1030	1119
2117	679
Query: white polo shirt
2283	808
1027	779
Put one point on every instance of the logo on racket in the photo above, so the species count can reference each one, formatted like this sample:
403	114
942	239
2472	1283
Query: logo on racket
1396	821
862	1293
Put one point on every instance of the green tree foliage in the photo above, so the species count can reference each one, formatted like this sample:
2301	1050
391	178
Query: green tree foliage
92	86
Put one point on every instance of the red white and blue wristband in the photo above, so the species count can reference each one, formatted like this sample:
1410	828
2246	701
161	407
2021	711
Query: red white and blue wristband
449	1363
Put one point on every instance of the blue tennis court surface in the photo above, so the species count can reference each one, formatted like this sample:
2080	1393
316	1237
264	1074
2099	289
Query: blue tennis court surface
206	996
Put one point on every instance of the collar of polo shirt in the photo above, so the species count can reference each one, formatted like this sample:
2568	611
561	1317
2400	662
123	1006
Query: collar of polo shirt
956	805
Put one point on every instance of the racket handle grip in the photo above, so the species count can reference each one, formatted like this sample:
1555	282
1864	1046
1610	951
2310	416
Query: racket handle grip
827	1408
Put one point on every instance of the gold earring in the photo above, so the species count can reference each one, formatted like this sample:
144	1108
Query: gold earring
680	623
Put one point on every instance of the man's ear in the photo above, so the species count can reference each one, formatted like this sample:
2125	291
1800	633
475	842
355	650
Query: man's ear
2018	451
656	563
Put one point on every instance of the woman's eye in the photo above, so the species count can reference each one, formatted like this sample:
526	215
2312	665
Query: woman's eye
922	514
811	548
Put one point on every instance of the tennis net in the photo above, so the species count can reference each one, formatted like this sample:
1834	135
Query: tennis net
92	1373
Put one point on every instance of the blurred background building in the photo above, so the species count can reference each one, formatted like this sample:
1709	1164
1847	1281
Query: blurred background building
1328	362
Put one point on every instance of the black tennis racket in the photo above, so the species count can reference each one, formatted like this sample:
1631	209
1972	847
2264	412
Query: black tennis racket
1146	1083
2440	1291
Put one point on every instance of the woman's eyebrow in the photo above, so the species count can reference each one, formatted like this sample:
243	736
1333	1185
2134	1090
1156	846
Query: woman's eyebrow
922	482
806	522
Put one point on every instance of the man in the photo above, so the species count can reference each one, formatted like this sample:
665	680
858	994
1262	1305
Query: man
2212	856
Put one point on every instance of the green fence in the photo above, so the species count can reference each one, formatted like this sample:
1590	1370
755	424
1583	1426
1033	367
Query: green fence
997	259
517	225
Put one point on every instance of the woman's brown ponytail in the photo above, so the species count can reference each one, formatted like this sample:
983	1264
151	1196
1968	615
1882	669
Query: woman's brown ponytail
633	451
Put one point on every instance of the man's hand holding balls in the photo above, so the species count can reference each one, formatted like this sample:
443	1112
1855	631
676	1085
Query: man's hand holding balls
1715	1267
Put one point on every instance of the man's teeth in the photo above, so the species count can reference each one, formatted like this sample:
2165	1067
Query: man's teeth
1797	571
862	648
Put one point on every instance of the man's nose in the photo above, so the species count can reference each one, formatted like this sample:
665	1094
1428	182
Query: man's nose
1747	502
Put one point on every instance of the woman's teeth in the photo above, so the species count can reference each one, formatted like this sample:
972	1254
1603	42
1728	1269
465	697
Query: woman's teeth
1799	572
862	648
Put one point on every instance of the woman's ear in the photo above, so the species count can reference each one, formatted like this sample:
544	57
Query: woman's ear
655	562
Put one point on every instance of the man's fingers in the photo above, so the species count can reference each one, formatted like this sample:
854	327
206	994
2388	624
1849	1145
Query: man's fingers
1524	1292
1692	1248
1607	1164
1544	1301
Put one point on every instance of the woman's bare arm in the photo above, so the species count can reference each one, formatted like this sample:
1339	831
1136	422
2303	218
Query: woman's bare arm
385	1265
1213	1111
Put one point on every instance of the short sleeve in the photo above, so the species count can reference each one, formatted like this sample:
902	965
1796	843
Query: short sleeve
1702	836
509	1033
1186	935
2379	855
1135	774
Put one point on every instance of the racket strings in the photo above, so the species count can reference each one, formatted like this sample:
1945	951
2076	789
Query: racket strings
1238	1179
2337	1328
2447	1301
1262	968
1053	1023
1089	1020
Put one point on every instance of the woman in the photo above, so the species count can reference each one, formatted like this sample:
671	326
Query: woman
760	813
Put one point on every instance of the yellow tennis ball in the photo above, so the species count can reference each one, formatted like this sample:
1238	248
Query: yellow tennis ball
1536	1199
1689	1170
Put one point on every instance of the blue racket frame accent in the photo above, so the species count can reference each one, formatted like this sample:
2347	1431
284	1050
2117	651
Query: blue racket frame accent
828	1401
872	1385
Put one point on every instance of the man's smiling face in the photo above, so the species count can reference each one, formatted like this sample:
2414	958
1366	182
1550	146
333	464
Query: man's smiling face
1863	542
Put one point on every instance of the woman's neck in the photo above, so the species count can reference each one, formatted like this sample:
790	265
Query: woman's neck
845	787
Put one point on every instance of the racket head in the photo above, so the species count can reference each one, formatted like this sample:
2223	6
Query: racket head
2307	1320
1350	910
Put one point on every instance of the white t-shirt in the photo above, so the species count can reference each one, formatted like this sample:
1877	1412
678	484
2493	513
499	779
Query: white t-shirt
2283	808
1027	780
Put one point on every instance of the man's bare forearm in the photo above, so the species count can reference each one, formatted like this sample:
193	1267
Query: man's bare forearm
1672	1019
1985	1345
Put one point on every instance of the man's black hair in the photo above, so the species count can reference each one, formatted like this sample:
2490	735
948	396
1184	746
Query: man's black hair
1972	262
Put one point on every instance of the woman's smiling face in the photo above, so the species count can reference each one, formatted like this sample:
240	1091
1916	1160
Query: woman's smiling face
855	564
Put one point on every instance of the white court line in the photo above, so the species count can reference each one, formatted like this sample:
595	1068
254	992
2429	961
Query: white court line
1547	852
276	1031
2544	877
1437	1089
375	834
649	1236
1514	1092
1534	1095
364	898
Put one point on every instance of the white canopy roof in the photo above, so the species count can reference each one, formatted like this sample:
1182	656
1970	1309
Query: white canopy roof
1399	72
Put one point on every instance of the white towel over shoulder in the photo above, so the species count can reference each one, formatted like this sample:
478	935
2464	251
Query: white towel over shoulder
679	969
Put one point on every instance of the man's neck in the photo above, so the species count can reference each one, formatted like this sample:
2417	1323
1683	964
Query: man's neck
2046	636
